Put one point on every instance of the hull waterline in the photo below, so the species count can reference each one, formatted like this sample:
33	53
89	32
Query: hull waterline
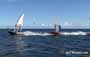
12	33
55	33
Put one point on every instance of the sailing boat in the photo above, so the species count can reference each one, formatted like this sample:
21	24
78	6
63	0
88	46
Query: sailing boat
18	26
57	28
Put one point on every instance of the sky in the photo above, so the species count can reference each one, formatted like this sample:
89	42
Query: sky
67	13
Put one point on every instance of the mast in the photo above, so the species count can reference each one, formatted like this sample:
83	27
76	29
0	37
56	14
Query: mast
19	23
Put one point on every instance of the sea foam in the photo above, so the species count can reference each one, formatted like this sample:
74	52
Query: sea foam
74	33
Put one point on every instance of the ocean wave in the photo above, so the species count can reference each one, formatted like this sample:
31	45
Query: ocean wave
74	33
27	33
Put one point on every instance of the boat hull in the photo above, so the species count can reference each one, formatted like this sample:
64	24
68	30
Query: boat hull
55	33
12	33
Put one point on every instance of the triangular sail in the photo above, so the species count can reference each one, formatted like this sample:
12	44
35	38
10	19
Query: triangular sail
19	23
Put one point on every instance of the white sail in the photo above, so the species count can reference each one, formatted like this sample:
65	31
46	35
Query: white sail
57	28
20	21
19	24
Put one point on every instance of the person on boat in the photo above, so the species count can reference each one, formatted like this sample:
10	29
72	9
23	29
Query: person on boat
18	28
57	28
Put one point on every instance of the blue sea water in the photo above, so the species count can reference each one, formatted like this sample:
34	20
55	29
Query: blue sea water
45	46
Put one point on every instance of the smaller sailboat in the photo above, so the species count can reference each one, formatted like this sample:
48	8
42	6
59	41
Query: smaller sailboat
18	26
57	29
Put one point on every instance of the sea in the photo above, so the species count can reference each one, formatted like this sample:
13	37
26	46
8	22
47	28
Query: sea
71	43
